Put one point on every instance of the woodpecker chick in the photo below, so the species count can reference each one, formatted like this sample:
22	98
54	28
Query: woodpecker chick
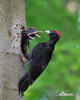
26	36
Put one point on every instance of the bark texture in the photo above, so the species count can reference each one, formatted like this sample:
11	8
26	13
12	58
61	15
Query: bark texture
11	67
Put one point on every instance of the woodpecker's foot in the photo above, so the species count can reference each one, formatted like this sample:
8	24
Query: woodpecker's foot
24	59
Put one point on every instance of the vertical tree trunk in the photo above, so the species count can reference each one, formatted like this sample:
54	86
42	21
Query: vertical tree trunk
11	68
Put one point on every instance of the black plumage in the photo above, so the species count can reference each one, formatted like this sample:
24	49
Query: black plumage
38	61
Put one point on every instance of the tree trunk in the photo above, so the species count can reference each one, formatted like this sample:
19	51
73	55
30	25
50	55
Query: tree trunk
11	67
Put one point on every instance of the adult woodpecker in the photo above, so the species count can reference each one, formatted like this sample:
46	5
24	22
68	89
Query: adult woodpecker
26	35
38	60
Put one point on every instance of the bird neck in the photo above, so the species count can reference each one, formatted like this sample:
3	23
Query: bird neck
52	43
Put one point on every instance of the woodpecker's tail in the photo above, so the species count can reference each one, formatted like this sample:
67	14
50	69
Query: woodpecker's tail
23	84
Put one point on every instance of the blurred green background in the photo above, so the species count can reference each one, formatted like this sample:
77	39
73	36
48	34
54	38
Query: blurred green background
63	71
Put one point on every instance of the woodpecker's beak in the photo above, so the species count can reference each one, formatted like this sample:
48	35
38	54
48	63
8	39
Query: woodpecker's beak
46	31
34	34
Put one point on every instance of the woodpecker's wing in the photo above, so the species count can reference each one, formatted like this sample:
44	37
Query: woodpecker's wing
42	53
40	58
34	71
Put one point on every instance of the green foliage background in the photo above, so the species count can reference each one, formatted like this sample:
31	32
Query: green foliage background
63	72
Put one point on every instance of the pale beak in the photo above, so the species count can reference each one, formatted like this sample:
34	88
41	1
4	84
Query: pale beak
35	34
46	31
31	38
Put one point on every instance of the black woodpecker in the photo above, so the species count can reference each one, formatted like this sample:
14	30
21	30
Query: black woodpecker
38	60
